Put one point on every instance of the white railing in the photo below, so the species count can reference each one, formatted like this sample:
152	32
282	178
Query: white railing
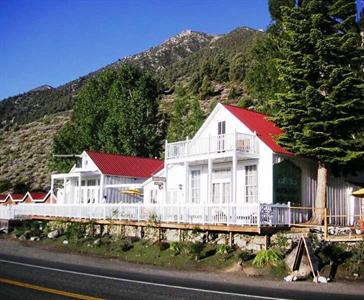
243	143
227	214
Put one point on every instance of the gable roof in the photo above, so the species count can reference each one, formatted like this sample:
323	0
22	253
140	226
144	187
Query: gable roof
265	129
122	165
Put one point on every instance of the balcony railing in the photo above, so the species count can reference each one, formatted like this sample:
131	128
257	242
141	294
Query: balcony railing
240	142
247	214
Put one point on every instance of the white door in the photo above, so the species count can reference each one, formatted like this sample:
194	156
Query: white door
221	130
221	186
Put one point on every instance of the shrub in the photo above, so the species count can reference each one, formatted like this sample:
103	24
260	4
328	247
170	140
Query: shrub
223	249
125	244
175	247
195	249
5	185
245	256
163	246
267	257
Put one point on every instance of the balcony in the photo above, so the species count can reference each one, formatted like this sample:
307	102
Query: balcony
245	145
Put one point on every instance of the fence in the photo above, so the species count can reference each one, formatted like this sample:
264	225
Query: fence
227	214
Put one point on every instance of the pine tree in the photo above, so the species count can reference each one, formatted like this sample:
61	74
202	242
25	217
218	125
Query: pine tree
321	109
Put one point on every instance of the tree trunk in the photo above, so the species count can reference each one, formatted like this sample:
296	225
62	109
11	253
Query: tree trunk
320	202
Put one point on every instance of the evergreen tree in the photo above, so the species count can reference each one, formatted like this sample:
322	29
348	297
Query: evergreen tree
321	108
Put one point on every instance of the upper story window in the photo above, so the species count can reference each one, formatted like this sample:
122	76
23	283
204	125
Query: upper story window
221	127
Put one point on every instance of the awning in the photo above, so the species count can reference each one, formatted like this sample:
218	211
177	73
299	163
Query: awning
359	193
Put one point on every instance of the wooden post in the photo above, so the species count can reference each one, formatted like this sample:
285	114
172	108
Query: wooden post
325	223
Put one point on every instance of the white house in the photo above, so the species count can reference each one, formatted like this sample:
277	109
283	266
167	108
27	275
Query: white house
103	178
231	173
234	163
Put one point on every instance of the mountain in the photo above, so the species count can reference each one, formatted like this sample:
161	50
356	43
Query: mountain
210	66
172	61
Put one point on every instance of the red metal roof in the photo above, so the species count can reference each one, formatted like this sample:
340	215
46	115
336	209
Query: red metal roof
122	165
37	195
265	129
3	197
17	196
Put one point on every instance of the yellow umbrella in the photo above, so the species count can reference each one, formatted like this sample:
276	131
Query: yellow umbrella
359	193
132	192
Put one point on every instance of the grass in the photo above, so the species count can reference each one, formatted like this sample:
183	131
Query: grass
144	252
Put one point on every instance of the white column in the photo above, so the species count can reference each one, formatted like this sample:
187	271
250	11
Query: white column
209	176
101	192
235	162
186	185
64	190
79	188
165	171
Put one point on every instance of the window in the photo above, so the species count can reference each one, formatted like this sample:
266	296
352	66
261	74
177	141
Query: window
221	130
91	182
195	186
153	196
221	127
251	184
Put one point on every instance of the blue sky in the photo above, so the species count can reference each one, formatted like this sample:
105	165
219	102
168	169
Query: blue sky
53	42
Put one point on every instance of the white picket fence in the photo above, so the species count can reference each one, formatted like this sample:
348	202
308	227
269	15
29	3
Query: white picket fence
227	214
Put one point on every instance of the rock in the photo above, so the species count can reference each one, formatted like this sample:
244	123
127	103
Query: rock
22	237
322	279
34	238
97	242
288	278
65	242
53	234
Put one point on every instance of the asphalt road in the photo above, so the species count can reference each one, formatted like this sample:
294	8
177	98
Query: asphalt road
33	278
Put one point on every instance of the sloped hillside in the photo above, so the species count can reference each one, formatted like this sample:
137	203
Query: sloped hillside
25	150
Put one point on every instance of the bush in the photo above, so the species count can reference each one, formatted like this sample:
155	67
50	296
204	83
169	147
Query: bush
195	249
175	247
20	188
163	246
267	257
246	256
5	185
125	244
223	249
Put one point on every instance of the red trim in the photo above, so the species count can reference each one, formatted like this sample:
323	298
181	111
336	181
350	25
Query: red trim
265	129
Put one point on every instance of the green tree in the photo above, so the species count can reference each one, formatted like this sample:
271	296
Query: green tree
117	111
321	108
186	116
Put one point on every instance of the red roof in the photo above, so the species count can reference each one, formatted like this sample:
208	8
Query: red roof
17	196
37	195
122	165
3	196
265	129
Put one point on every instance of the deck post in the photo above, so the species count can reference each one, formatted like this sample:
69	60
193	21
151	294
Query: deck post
209	172
289	214
101	193
258	216
79	189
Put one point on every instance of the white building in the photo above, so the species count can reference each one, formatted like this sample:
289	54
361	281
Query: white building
103	178
234	163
